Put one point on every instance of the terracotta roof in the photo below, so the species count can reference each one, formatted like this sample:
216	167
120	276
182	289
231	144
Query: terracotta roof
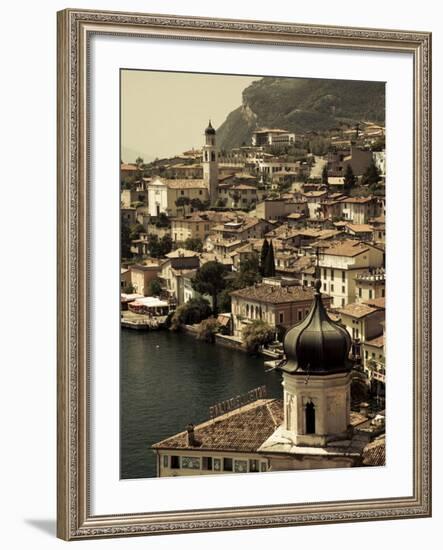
244	429
296	215
182	253
180	183
186	184
379	303
374	454
378	342
314	193
274	294
358	311
127	167
360	228
244	224
346	247
356	200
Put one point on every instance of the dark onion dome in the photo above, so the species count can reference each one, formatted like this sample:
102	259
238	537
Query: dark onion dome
317	345
210	130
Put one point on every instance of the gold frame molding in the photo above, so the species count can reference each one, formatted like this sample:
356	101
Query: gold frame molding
75	27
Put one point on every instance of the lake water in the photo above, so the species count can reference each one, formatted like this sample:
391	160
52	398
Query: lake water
169	380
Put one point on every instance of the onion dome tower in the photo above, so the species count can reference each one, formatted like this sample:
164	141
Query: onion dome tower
316	378
210	163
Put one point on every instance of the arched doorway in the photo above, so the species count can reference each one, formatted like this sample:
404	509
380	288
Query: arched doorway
310	418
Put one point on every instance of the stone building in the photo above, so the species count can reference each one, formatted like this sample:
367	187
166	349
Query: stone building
279	302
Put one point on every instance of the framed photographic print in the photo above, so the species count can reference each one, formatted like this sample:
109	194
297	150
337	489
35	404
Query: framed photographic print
244	274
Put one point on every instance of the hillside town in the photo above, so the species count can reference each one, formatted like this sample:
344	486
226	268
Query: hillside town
240	247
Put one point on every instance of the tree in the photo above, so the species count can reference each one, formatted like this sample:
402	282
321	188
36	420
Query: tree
125	240
248	274
155	287
235	196
129	288
224	300
372	175
263	254
159	247
136	229
194	244
165	244
324	175
257	334
349	180
162	220
208	329
181	202
269	265
190	313
198	204
210	279
221	203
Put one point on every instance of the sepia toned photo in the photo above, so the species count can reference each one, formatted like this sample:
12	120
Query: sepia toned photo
252	276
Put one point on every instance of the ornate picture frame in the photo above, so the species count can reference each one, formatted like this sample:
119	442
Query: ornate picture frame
75	29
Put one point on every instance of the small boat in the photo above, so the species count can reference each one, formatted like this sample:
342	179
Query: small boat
274	365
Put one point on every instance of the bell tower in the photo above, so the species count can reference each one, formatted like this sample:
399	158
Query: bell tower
317	378
210	163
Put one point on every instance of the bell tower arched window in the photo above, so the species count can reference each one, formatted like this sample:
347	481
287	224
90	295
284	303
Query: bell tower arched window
310	418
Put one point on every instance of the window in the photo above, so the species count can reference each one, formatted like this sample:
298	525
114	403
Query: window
382	292
182	192
332	288
359	292
280	317
343	290
332	273
165	461
207	463
305	283
240	466
200	192
342	302
343	276
253	466
300	315
191	462
175	462
370	294
325	274
310	418
324	287
227	464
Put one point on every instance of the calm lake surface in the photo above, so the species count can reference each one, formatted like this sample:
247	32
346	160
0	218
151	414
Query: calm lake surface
169	380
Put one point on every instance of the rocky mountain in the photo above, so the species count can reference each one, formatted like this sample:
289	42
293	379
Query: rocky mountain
300	105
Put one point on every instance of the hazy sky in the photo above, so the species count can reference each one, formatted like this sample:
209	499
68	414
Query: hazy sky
164	113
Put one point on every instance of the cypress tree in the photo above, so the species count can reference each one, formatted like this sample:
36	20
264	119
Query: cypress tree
349	180
324	175
269	270
263	254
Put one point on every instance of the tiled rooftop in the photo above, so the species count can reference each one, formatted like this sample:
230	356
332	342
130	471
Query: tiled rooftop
274	294
244	429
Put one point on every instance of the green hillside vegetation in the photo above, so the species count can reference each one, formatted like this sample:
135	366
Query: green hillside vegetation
301	105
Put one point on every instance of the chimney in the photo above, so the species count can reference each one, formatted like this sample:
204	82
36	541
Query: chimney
190	436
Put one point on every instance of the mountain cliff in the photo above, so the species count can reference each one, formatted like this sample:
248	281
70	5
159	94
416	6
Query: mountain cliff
300	105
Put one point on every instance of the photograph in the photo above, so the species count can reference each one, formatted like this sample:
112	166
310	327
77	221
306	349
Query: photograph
252	274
